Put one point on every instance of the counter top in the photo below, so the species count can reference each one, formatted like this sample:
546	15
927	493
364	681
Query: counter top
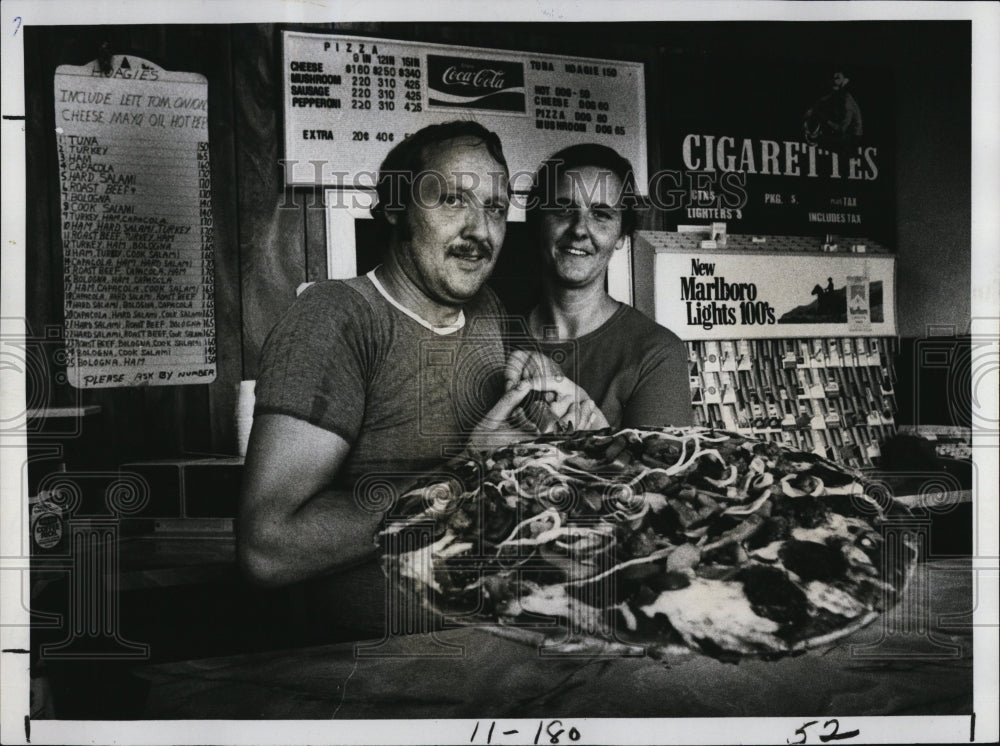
916	659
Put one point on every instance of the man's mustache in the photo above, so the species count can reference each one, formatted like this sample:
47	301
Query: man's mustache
471	249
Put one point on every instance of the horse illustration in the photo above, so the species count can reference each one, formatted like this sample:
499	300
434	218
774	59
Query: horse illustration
826	300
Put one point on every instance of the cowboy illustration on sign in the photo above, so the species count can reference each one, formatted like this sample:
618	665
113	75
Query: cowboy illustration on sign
833	305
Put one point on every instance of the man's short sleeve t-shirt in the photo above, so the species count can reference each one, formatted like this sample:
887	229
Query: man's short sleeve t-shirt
344	359
405	398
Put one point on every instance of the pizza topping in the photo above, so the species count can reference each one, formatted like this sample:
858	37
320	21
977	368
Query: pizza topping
742	531
812	561
752	507
726	479
768	552
535	524
702	499
582	463
659	554
697	534
819	531
735	545
683	557
656	501
460	521
418	564
810	511
825	596
684	514
757	483
833	478
668	581
631	623
858	558
771	530
717	572
720	608
800	485
796	461
658	480
773	595
642	543
638	573
655	462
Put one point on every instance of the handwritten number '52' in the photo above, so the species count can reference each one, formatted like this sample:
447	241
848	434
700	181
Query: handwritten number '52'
835	735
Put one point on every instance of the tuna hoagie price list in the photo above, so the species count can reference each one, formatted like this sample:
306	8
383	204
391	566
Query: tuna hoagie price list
349	100
137	226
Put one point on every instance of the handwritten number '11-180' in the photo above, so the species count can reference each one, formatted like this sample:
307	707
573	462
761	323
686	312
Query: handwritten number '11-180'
834	735
553	732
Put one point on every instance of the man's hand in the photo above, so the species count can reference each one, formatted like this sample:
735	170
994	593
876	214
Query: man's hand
504	424
523	365
561	405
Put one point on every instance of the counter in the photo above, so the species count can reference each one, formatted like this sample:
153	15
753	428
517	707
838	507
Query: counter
917	659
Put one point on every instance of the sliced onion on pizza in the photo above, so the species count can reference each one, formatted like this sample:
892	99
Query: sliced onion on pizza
652	537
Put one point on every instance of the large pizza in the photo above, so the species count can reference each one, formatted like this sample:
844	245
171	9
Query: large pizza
653	537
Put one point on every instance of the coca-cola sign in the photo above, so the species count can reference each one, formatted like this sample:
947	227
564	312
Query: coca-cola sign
468	83
485	78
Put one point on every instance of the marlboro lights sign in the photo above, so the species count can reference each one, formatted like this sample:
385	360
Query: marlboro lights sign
729	295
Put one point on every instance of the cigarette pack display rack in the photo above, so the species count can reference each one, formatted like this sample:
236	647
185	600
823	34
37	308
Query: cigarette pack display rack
789	338
834	397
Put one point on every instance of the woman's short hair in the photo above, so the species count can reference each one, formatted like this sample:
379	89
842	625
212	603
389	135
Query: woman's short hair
541	195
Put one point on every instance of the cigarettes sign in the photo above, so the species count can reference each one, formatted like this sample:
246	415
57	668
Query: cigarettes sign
348	100
772	146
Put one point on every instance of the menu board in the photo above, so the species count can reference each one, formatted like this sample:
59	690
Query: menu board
349	100
717	295
135	196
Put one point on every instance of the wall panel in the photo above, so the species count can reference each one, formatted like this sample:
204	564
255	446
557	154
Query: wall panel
272	230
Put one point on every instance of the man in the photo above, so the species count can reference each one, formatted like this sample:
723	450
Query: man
582	209
835	120
368	382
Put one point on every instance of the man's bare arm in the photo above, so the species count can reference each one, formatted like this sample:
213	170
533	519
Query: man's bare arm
291	524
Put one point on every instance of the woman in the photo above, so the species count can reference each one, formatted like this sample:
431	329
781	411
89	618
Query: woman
581	210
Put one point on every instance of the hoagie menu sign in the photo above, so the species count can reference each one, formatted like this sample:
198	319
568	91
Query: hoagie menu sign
135	199
349	100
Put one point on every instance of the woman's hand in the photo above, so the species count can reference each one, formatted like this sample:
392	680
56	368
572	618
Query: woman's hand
560	404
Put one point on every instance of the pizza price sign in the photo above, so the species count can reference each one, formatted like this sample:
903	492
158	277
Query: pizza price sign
348	100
